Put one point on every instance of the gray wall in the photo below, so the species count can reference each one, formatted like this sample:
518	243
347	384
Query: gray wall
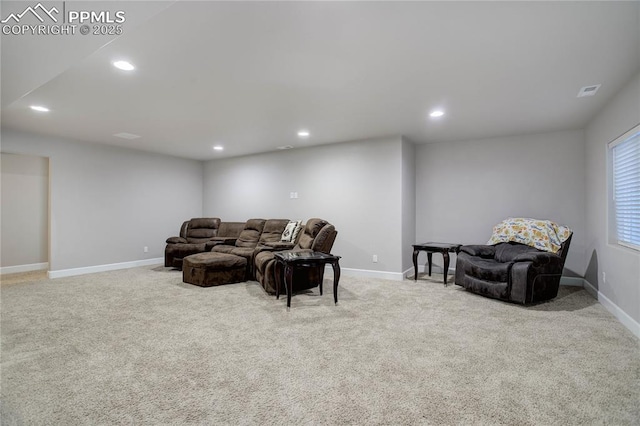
408	203
107	203
464	188
25	210
357	186
621	265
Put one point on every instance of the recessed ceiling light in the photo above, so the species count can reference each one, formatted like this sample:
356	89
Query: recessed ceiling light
39	108
304	133
124	65
436	113
218	148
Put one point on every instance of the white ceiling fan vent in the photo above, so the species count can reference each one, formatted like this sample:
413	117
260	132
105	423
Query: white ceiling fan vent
589	90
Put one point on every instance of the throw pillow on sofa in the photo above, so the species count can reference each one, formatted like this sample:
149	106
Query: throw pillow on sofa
291	231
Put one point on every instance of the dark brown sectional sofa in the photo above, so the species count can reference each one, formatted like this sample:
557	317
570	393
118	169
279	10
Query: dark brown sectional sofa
255	240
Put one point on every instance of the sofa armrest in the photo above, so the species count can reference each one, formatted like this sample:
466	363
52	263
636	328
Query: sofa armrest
538	258
272	247
276	246
479	250
176	240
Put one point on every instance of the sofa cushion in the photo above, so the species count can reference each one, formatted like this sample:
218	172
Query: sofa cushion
201	233
222	248
272	230
506	252
251	233
230	229
204	222
324	240
311	229
245	252
487	269
496	290
202	229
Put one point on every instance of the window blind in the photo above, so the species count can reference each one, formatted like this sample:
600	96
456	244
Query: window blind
626	190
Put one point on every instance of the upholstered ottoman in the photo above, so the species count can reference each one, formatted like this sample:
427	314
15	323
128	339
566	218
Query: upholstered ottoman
209	269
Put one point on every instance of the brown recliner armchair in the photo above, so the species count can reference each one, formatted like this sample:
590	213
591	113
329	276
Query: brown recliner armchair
317	235
511	271
194	234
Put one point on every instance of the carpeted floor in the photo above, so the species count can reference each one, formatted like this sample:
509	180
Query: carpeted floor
138	346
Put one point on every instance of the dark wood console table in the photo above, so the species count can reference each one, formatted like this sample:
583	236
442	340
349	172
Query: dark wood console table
431	248
288	261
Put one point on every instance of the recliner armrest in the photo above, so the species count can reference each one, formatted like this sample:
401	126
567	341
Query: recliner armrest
538	258
274	246
280	245
479	250
176	240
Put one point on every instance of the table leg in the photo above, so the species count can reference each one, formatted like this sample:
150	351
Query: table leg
429	259
336	278
445	255
288	277
321	273
278	274
415	264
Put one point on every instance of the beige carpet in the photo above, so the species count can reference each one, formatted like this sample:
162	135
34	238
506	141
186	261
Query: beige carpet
138	346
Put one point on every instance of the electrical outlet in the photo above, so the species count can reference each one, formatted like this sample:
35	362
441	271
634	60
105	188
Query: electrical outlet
146	249
375	258
604	277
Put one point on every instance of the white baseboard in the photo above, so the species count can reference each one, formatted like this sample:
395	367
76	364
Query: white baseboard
572	281
365	273
395	276
24	268
103	268
615	310
590	289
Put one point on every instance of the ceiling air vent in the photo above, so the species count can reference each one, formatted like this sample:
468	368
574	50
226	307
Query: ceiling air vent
589	90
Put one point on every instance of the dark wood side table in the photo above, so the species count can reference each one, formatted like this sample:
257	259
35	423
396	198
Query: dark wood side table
290	260
431	248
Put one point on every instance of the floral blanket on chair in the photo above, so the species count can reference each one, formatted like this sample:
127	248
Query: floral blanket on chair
541	234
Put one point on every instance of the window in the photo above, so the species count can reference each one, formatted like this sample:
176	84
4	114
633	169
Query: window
625	167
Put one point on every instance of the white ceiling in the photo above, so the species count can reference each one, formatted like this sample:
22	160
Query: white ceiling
249	75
